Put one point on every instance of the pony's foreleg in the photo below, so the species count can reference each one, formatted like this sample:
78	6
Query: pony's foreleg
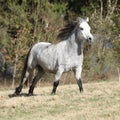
77	72
18	89
35	80
56	82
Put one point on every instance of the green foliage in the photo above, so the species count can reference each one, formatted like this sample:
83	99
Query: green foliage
23	23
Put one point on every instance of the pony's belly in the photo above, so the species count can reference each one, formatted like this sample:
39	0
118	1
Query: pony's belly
47	65
68	68
70	65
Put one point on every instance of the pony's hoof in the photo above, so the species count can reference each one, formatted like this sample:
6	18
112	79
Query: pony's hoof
53	93
81	90
30	94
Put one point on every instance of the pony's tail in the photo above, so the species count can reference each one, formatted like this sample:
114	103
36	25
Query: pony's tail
25	68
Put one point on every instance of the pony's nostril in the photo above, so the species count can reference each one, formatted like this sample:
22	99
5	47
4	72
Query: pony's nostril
90	38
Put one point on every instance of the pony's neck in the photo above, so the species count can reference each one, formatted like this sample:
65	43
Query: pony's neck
75	45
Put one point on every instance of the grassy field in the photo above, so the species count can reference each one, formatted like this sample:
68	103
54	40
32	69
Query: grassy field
99	101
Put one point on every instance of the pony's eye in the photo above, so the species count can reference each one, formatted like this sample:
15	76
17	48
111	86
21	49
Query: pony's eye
81	28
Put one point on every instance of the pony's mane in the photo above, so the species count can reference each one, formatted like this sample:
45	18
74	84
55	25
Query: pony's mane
68	29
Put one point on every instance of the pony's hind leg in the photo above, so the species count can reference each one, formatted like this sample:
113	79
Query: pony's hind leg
35	80
24	79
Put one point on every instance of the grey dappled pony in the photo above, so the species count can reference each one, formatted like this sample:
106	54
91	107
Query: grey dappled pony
58	58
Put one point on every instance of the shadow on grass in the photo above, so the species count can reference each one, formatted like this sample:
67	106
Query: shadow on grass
21	95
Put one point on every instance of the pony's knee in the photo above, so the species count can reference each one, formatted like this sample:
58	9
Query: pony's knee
58	74
77	73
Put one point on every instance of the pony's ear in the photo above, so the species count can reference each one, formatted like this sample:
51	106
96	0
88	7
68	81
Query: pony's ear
87	19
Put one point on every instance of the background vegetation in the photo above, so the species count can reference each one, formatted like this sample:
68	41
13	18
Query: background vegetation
26	22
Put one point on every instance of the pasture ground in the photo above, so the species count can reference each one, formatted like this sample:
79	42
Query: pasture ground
99	101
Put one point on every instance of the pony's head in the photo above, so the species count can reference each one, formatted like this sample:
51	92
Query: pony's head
83	29
80	26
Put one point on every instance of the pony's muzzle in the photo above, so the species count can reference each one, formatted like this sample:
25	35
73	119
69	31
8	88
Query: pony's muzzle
90	39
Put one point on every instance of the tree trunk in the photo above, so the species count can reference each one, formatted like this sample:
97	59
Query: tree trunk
101	9
110	8
118	74
14	73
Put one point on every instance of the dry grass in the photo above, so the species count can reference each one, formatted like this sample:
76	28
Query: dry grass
100	101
